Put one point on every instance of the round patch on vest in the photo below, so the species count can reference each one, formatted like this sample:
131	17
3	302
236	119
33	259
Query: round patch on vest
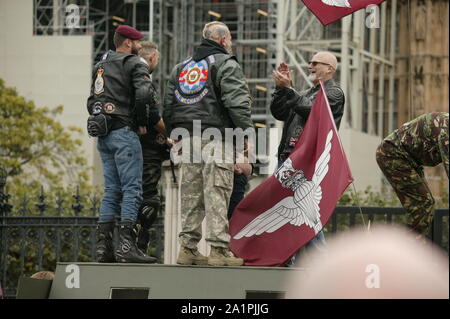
160	139
109	107
193	77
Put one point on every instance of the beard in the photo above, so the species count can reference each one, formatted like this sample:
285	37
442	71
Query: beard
312	77
229	49
134	49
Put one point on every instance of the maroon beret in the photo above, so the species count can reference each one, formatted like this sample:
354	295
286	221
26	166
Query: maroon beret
129	32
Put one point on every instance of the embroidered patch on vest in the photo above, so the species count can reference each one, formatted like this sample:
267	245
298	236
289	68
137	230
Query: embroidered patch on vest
193	100
99	82
193	77
97	108
160	139
109	108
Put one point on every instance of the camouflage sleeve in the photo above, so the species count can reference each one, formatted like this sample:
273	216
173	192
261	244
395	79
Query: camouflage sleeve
443	148
235	93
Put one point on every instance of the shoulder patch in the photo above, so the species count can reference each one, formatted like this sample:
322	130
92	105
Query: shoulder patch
211	59
99	82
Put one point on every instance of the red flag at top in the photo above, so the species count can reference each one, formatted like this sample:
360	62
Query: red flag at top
288	209
328	11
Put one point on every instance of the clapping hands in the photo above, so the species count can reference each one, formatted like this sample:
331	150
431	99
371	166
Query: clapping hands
282	75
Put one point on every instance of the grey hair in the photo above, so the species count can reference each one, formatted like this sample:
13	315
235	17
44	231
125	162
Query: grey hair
215	30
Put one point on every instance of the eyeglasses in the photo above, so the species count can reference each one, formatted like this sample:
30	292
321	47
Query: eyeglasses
314	63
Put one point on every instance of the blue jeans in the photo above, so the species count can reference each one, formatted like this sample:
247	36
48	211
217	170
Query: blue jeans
318	243
121	155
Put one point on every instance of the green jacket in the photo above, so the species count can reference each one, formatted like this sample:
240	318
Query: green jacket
223	102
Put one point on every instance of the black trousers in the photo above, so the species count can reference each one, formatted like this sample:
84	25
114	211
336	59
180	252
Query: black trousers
240	182
151	175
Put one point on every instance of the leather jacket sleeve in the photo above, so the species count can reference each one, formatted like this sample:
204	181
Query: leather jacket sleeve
140	82
152	107
286	99
281	103
168	98
303	104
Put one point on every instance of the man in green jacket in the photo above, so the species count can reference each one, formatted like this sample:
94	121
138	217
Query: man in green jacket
207	91
402	156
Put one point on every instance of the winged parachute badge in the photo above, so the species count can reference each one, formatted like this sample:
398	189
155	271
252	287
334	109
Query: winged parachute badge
337	3
99	82
300	209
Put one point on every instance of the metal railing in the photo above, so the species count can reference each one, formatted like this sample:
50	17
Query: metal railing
349	216
34	243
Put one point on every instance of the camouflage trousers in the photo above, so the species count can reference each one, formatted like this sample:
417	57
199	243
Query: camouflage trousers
205	192
409	183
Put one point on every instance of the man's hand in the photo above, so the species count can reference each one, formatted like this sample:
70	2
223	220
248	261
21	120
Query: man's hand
243	168
142	130
282	75
283	68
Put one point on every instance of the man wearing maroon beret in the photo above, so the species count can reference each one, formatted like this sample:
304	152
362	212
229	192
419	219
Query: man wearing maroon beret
119	111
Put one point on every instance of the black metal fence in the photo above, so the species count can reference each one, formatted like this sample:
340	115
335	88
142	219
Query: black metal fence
34	243
37	232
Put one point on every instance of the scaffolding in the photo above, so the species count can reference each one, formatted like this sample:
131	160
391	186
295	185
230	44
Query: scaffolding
264	33
367	59
50	19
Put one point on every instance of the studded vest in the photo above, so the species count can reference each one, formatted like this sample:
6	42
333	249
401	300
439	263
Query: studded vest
111	90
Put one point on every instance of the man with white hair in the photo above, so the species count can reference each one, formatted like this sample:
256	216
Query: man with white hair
293	107
209	87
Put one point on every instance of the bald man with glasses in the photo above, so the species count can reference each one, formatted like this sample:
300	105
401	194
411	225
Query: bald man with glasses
293	108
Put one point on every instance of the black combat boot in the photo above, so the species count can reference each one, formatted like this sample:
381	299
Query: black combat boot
105	247
146	217
127	251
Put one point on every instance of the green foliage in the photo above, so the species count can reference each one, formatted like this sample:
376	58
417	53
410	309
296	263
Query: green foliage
35	146
368	197
385	198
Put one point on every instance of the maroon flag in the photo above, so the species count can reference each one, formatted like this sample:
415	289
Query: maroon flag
328	11
288	209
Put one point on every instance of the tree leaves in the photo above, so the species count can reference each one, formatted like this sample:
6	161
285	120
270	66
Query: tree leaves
34	145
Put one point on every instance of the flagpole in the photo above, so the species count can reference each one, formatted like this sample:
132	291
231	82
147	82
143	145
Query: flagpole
410	60
359	206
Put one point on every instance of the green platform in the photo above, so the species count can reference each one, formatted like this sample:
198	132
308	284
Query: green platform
104	281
